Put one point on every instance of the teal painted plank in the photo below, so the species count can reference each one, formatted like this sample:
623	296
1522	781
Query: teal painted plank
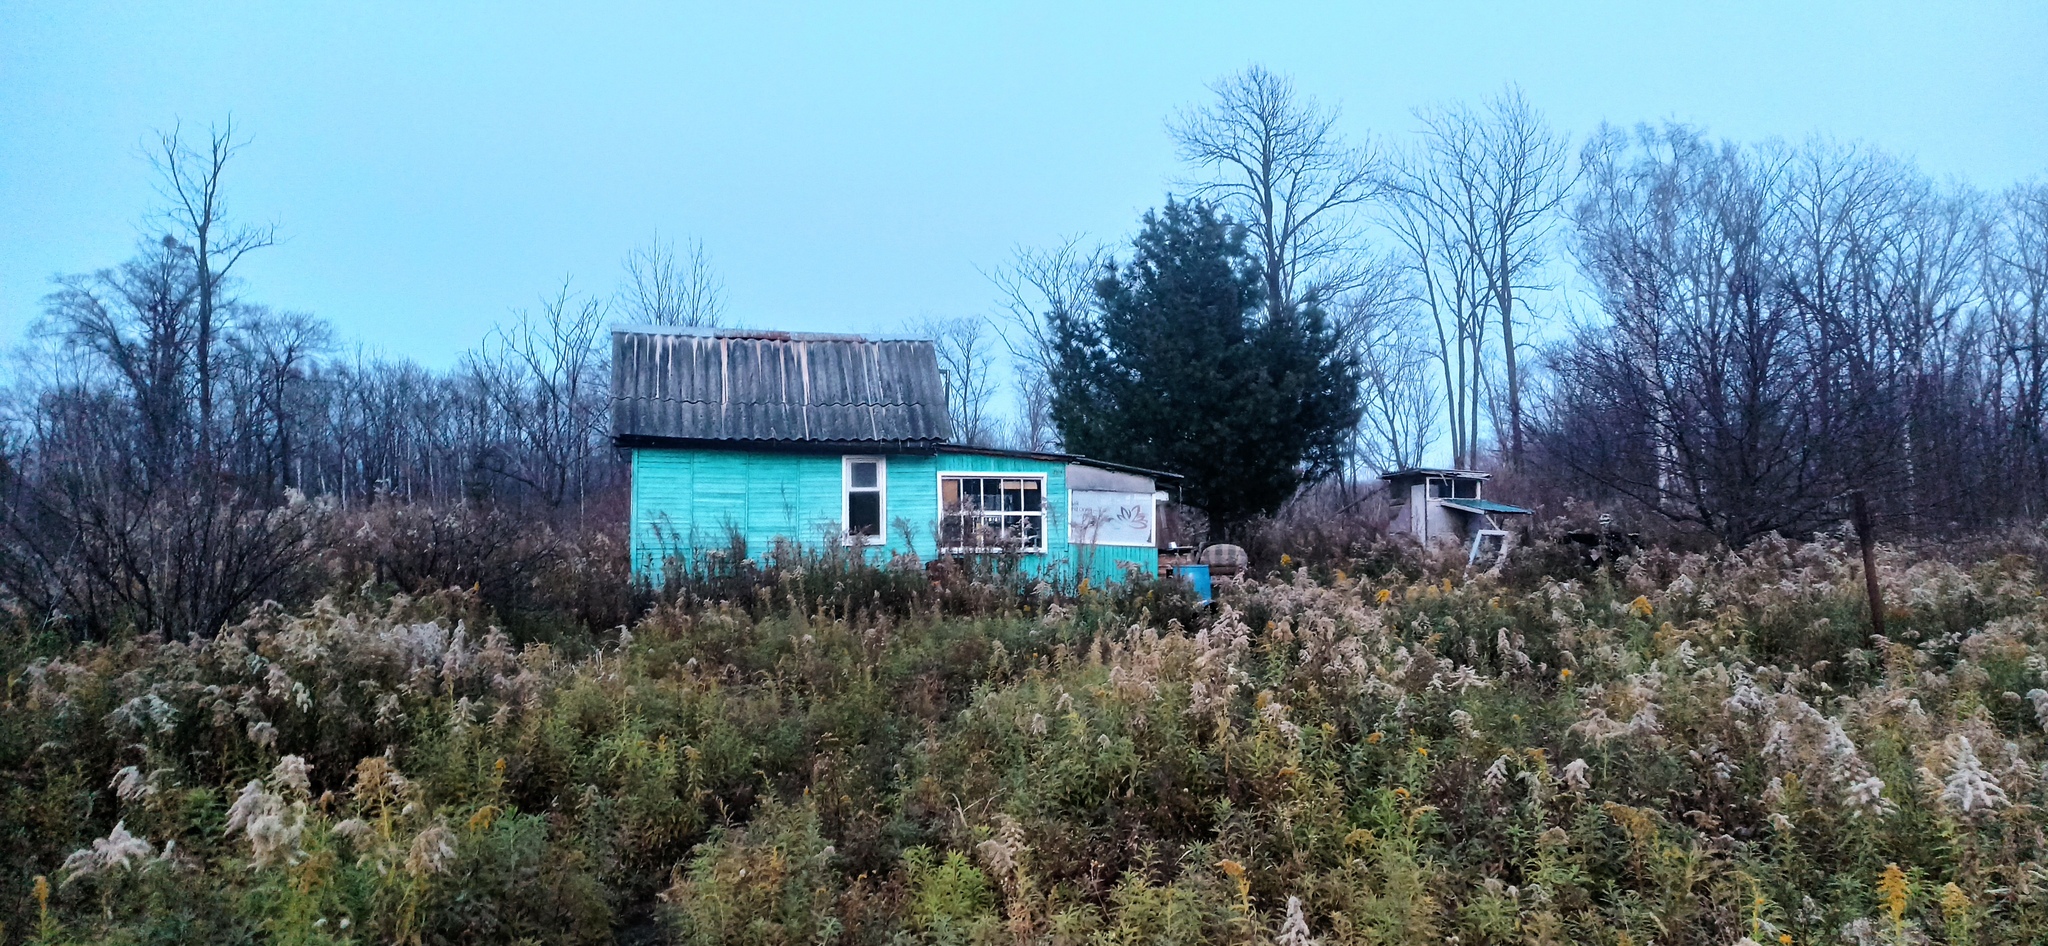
687	502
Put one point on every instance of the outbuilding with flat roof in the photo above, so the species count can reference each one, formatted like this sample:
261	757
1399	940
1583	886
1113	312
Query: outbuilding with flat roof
1445	505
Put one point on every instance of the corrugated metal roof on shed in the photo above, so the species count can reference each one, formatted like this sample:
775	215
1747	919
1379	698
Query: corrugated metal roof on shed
745	386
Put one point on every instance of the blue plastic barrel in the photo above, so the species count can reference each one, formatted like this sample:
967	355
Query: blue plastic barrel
1198	576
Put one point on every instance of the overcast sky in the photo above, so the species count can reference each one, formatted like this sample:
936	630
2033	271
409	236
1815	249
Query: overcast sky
435	165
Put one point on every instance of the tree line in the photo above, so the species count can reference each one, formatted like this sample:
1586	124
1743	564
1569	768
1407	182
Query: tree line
1780	325
1391	290
170	447
1730	336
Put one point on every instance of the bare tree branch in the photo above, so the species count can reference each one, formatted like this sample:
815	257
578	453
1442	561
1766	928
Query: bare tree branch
967	357
189	179
661	288
1277	164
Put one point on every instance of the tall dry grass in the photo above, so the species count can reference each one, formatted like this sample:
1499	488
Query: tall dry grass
1682	748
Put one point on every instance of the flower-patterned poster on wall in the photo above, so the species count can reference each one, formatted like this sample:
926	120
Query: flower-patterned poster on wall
1098	517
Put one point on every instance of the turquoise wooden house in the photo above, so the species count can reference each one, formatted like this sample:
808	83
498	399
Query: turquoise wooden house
845	440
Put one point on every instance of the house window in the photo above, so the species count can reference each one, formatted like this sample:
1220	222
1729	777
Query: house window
1453	489
866	486
991	513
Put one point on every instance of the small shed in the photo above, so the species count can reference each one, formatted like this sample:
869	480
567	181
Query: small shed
750	437
1445	505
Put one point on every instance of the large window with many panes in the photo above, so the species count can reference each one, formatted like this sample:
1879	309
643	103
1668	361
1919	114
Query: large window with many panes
981	512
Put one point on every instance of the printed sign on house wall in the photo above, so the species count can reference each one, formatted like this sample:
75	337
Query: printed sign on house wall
1099	517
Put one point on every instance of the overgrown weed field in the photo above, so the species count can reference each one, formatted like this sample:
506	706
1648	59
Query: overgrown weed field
1676	749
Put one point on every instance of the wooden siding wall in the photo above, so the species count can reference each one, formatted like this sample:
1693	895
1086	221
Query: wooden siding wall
687	502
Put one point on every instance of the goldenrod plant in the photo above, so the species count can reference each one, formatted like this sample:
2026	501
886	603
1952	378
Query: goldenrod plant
1675	748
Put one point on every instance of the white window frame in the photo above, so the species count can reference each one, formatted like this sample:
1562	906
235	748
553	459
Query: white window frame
846	491
1450	484
1043	513
1479	543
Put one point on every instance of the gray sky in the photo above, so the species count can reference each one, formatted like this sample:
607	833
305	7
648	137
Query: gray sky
854	166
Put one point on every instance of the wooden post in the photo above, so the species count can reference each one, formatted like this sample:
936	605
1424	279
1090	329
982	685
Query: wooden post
1861	516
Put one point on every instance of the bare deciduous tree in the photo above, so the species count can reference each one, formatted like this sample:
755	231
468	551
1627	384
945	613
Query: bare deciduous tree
159	437
1277	164
2014	282
190	180
1487	184
1037	288
1400	408
1525	181
1694	398
967	356
1783	325
272	387
137	324
547	378
118	510
1036	285
662	288
1449	288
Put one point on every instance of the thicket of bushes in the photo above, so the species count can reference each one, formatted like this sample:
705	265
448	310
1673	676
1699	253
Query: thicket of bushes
1679	749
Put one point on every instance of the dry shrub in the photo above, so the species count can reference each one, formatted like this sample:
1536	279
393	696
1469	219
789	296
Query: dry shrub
1682	747
539	579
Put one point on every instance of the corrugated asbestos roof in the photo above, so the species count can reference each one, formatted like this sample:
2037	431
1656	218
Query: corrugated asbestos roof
765	388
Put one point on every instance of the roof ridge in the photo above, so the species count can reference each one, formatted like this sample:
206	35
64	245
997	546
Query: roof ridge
766	335
691	400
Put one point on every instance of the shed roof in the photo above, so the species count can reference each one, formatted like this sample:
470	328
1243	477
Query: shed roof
1061	458
1414	472
672	385
1484	506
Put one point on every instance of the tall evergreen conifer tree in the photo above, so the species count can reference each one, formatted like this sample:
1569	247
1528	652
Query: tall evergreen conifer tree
1184	369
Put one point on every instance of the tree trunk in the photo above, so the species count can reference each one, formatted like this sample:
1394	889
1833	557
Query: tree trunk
1505	296
203	354
1865	538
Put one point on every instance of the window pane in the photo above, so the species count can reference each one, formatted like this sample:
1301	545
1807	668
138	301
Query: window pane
863	474
992	513
864	513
